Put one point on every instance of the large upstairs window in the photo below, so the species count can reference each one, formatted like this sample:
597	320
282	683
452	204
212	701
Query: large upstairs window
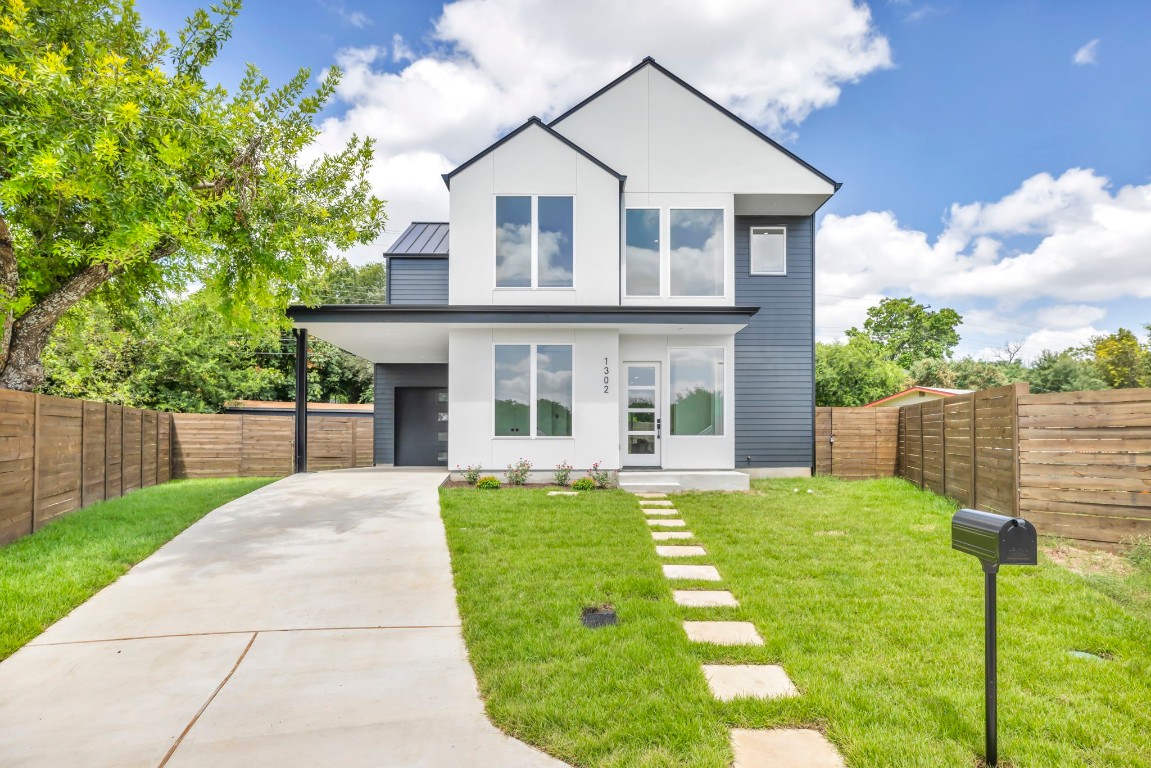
674	252
535	241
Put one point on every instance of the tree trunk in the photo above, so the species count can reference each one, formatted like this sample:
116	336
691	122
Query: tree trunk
9	283
22	368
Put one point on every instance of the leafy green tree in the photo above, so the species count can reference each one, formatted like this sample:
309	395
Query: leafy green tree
1066	371
124	171
1123	361
908	331
965	373
855	373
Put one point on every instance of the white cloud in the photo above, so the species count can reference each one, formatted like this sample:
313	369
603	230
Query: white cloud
491	64
1092	245
1088	54
357	19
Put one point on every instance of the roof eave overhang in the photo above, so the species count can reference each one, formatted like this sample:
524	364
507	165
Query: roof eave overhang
487	314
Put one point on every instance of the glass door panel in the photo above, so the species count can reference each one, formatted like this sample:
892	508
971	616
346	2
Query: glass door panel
642	428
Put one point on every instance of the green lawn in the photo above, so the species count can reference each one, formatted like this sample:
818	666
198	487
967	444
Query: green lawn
47	574
857	594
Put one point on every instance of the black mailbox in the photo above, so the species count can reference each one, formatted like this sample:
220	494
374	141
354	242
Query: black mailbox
994	539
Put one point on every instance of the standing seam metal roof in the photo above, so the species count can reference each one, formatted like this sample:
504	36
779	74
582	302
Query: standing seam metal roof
421	238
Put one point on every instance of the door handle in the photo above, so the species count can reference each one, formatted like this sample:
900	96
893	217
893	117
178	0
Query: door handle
658	428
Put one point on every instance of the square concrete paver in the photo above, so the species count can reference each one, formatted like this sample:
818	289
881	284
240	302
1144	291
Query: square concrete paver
563	493
722	632
705	598
667	523
655	503
669	535
680	551
756	681
783	748
700	572
661	511
648	495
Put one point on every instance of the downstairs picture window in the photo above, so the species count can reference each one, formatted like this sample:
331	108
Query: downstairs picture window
533	386
696	391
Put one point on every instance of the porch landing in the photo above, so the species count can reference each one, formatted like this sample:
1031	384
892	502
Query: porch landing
646	480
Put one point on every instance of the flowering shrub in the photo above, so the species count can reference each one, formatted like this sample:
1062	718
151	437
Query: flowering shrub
603	478
563	473
472	474
517	473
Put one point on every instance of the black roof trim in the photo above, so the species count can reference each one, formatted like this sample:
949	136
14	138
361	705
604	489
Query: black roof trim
649	61
415	313
530	122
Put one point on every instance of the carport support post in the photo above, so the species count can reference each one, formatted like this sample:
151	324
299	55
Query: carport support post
301	459
989	662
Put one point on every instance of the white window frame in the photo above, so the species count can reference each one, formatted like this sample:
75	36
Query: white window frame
533	390
751	231
665	251
535	257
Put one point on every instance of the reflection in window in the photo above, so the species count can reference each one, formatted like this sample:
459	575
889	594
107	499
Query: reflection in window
641	263
696	259
556	235
696	391
513	242
554	390
768	251
512	389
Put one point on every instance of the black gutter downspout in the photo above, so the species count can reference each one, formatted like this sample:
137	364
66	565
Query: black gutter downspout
301	459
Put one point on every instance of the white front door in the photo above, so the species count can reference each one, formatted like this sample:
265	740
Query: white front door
643	431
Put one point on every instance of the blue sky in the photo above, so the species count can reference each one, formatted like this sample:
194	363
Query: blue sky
915	106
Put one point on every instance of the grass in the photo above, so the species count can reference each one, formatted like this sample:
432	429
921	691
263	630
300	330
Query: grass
857	594
45	575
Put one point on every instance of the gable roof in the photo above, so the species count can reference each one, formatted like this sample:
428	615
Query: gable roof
551	132
421	238
929	390
650	62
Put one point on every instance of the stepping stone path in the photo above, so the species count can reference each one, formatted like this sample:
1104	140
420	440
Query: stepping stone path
563	493
757	681
722	632
768	748
783	748
681	551
697	572
705	598
669	535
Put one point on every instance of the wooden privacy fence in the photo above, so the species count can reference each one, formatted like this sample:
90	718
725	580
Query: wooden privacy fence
58	455
856	443
1077	464
259	445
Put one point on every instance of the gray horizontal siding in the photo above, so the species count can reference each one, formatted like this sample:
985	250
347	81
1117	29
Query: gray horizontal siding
774	376
388	376
417	281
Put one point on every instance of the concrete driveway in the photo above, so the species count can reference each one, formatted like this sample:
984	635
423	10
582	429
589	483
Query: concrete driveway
311	623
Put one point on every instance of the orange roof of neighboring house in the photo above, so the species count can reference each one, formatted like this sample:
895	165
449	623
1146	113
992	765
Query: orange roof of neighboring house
931	390
289	405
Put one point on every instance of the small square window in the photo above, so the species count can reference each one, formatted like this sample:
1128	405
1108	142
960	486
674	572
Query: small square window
768	251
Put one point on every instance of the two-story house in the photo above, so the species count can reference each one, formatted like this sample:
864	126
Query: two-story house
629	284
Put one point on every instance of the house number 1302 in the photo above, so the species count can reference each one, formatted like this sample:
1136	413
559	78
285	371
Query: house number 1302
606	377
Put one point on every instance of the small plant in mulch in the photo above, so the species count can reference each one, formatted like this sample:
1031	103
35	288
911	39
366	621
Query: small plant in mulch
488	483
563	473
471	474
584	484
603	478
517	473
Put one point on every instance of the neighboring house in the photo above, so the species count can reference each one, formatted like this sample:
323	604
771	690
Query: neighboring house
915	395
629	284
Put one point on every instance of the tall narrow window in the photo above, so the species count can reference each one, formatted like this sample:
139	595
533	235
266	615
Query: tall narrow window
556	218
554	390
641	261
513	390
513	242
696	259
768	251
696	391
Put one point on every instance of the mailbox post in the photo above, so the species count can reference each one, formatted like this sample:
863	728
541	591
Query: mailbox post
996	540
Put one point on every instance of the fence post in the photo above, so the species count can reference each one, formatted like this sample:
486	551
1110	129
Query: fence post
943	444
1020	388
974	455
35	462
919	407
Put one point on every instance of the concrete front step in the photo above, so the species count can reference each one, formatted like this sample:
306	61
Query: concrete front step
654	481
